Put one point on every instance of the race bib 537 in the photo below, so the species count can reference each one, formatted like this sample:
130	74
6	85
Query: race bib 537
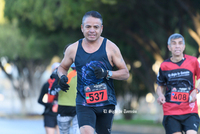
96	93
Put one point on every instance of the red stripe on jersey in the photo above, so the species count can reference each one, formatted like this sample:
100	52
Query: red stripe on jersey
189	64
179	109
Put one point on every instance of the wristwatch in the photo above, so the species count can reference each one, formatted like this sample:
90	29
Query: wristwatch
197	90
109	74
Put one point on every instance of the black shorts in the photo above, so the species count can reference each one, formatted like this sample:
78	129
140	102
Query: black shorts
66	110
50	121
100	118
179	123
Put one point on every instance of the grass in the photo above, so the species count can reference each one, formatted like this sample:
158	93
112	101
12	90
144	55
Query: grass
137	122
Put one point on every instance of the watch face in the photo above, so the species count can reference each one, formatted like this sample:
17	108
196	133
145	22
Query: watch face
109	73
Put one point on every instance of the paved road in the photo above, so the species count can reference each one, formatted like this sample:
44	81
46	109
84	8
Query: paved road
21	126
35	126
29	126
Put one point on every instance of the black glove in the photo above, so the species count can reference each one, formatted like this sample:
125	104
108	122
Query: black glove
63	83
99	72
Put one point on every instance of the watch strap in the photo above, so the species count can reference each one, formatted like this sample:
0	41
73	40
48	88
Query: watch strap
197	90
109	74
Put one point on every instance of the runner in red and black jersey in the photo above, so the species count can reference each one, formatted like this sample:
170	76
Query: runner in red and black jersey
178	75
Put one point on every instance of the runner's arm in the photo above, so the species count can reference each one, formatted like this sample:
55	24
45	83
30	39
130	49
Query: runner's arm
161	97
195	92
116	58
66	62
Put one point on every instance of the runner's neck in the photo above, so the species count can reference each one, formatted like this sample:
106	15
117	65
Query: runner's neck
176	59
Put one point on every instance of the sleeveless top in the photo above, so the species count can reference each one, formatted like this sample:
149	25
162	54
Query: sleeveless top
84	66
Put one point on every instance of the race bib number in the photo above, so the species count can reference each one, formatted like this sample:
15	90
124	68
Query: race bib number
179	96
96	93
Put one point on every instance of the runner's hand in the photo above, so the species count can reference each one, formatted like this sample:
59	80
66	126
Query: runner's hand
63	83
193	95
55	108
161	99
99	72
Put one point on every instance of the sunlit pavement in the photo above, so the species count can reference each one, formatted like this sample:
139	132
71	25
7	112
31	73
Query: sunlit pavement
35	126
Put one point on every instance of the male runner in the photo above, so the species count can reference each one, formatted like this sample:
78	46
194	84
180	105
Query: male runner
177	77
94	57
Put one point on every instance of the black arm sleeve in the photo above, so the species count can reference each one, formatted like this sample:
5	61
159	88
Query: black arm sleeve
44	91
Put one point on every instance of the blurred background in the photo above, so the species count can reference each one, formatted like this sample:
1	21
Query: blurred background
33	34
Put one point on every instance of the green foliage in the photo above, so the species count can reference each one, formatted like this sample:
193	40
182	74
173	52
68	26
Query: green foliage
134	25
140	29
46	26
12	44
51	14
137	122
33	46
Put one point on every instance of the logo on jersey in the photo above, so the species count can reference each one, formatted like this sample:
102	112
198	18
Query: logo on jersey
87	89
179	74
192	106
183	89
88	76
174	89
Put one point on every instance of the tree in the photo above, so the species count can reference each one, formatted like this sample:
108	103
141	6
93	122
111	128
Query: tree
31	42
37	31
15	53
139	28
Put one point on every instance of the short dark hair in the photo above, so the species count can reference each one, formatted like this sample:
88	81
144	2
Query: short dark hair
94	14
